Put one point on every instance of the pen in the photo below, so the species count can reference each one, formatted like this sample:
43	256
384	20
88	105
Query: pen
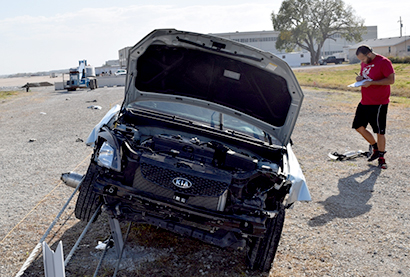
356	73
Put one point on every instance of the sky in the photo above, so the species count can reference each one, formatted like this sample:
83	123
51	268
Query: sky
45	35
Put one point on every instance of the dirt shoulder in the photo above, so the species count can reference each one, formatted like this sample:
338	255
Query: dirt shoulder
357	224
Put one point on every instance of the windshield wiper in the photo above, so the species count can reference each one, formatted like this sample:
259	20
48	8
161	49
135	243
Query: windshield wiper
221	120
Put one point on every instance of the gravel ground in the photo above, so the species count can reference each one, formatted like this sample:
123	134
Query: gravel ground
356	225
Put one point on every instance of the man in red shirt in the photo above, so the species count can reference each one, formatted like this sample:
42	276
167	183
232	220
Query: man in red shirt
372	109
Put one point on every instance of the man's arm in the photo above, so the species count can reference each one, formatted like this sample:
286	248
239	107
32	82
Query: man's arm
389	80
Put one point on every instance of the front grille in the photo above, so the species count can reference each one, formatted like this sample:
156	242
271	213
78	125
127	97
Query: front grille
155	177
211	203
200	186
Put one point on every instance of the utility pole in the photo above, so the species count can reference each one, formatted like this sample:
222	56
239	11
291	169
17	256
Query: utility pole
401	26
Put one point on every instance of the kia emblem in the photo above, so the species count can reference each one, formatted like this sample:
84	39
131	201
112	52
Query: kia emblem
182	183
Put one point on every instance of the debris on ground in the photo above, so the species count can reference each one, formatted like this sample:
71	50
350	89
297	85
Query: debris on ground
40	84
94	107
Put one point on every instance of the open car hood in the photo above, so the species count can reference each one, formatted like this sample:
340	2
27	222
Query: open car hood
212	72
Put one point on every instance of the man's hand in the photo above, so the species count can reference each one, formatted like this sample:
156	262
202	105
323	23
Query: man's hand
359	78
382	82
367	84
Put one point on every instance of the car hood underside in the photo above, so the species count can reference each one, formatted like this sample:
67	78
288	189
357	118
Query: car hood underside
216	73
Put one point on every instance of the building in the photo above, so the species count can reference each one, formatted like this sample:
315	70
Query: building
266	41
123	56
388	47
337	44
108	68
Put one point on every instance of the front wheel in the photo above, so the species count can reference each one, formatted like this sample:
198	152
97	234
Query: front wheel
262	250
88	201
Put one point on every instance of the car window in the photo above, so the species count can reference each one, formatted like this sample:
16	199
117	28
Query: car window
204	116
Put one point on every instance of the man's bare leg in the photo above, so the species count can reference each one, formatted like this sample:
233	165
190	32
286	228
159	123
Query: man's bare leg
367	135
381	142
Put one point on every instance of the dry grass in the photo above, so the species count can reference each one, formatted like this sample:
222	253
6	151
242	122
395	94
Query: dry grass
6	94
339	77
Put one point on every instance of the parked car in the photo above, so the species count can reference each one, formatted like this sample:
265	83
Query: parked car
120	72
201	144
331	59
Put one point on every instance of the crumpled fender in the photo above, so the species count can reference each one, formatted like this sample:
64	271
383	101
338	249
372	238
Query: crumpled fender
299	190
92	138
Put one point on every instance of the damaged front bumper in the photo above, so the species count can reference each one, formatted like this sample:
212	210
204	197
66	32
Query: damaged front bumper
217	228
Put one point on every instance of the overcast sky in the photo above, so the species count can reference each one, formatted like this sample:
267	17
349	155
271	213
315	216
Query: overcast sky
45	35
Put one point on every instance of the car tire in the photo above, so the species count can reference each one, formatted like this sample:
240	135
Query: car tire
262	251
88	201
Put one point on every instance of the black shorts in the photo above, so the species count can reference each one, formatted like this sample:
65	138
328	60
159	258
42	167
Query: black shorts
375	115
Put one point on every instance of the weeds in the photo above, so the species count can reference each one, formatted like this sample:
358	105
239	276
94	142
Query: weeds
340	76
6	94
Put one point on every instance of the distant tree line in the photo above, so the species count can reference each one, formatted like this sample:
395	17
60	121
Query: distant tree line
399	59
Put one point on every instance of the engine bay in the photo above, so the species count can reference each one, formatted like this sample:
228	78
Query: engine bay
253	181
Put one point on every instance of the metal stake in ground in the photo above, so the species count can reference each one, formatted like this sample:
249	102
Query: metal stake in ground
82	235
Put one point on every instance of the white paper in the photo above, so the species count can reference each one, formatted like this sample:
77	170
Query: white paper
359	84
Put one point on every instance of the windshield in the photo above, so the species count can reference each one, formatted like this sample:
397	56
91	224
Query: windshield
203	116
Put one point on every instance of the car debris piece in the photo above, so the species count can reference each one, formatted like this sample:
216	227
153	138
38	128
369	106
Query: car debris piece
39	84
94	107
348	155
201	144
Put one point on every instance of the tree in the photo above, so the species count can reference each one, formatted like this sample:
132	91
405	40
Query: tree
308	23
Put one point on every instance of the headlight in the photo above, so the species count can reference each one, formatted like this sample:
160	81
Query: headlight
106	155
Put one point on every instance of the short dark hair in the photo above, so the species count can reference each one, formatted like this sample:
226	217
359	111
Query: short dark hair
364	49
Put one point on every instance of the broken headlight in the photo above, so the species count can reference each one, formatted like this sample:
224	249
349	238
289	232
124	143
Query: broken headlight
105	155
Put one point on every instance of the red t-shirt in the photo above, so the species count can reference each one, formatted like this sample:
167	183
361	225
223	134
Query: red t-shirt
379	68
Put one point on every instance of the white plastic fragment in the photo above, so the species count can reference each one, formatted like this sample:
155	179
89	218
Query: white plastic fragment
101	245
94	107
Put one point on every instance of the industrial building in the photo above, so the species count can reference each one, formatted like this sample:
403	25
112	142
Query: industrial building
266	40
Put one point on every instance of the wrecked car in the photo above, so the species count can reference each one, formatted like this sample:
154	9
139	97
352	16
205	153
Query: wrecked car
201	144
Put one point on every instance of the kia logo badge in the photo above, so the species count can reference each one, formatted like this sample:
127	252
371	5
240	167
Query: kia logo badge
182	183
